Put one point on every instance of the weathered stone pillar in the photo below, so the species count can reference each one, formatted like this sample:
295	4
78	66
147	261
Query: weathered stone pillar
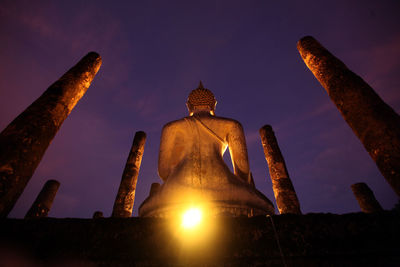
24	141
44	201
125	198
366	198
98	214
375	123
285	195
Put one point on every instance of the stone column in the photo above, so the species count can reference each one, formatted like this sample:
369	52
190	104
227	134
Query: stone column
44	201
98	214
285	195
375	123
123	204
24	141
366	198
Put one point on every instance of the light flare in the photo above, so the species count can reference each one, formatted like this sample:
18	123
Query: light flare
192	218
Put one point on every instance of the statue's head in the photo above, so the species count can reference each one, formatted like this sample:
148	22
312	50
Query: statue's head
201	99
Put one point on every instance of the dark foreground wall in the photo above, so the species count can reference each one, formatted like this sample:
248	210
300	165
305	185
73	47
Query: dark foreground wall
306	240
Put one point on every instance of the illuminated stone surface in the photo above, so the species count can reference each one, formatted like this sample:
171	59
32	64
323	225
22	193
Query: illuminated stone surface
374	122
24	141
154	188
193	170
125	198
366	198
285	195
44	201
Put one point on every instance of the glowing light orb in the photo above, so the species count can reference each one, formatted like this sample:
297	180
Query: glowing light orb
191	218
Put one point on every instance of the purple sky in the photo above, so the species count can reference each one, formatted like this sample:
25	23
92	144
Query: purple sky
155	52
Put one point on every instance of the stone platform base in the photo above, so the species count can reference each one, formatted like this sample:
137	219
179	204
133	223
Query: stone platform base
305	240
216	209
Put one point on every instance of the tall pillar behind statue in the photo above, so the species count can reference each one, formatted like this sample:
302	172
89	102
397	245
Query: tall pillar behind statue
374	122
24	141
125	198
366	198
44	201
285	195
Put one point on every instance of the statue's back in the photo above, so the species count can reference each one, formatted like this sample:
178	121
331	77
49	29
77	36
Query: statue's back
193	170
191	151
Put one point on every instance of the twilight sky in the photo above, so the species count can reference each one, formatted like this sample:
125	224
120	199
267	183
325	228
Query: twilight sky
155	52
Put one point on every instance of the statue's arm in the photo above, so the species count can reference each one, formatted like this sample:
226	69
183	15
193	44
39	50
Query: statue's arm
172	148
238	151
165	153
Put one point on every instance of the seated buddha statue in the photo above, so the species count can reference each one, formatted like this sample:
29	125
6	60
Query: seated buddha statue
193	170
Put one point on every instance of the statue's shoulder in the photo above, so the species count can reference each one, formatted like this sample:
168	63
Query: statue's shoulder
230	122
227	123
174	124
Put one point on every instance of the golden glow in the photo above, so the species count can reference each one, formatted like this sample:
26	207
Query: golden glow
191	218
195	227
